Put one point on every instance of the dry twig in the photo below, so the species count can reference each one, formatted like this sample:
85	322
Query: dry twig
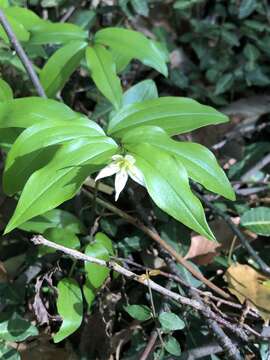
22	55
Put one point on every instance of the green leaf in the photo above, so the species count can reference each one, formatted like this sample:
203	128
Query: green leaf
172	346
96	274
104	240
56	33
144	90
203	168
55	218
251	53
19	30
170	321
139	312
257	77
24	16
29	152
185	4
175	115
257	220
61	178
84	18
121	60
16	328
69	307
200	163
4	3
62	237
8	352
224	83
140	7
6	92
24	112
103	73
246	8
134	45
60	66
166	180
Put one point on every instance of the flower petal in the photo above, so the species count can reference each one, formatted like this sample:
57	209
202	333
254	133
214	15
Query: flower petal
108	170
121	179
130	159
135	173
117	157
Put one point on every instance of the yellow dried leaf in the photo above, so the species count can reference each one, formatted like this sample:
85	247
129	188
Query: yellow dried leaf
249	285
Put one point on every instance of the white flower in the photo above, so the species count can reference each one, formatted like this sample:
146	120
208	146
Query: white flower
123	167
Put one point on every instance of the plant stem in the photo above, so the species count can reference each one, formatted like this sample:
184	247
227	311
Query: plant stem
22	55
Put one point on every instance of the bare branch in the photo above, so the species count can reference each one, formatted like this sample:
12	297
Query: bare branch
22	55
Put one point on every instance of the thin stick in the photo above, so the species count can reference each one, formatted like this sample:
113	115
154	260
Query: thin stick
22	55
198	305
150	345
155	236
40	240
223	339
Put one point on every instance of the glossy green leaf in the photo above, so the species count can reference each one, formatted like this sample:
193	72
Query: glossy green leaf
19	30
24	16
120	59
170	321
6	92
172	346
103	73
4	3
25	112
69	307
175	115
134	45
104	240
96	274
56	33
16	328
202	167
166	180
59	236
60	66
144	90
29	152
61	178
200	163
139	312
55	218
257	220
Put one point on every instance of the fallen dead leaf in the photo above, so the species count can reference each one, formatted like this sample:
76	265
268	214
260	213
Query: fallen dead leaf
249	285
42	315
202	251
